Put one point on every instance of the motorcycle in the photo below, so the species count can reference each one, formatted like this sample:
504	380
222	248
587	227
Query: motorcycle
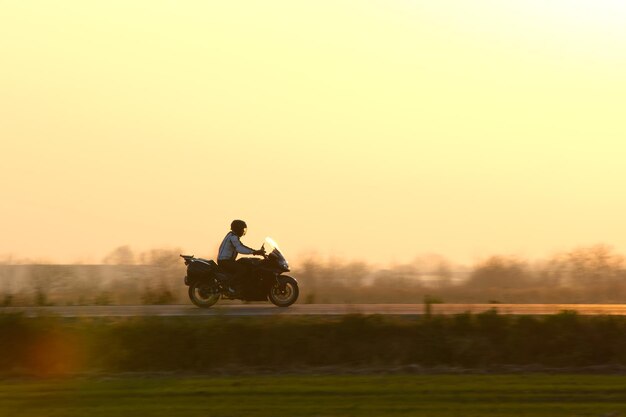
264	280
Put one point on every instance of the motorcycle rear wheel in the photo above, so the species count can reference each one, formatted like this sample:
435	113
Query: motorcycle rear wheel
286	296
203	294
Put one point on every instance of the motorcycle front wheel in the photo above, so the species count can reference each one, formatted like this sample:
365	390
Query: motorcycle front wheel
284	296
203	294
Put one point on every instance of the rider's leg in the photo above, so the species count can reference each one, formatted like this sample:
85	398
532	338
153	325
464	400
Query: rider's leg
232	269
239	277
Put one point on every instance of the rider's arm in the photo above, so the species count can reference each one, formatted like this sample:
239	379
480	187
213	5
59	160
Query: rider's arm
240	247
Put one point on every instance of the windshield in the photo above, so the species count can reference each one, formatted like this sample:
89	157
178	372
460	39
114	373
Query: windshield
271	245
271	248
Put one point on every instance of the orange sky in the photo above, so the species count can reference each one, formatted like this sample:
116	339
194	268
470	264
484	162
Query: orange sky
374	130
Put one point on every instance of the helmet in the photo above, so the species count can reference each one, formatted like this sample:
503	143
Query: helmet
239	227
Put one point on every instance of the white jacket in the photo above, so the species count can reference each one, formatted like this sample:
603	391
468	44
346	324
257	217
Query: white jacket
231	246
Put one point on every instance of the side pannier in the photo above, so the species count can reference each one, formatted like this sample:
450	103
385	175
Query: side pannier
200	269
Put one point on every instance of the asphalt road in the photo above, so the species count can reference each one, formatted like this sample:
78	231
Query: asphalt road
311	309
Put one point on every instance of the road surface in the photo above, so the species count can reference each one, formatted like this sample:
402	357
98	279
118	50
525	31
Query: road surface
311	309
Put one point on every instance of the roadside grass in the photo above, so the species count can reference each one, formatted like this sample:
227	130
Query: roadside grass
260	396
49	346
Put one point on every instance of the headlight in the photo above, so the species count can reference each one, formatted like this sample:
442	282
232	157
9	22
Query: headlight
284	264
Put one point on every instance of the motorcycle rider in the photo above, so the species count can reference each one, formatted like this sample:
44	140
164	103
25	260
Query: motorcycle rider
230	247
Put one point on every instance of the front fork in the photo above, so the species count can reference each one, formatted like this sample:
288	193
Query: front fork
281	284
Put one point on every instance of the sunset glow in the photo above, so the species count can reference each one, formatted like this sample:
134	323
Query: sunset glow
370	130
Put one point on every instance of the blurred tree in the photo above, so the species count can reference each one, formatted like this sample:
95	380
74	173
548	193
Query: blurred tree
500	272
122	255
443	273
48	280
594	265
163	258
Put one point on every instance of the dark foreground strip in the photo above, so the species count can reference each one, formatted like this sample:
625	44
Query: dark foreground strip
54	346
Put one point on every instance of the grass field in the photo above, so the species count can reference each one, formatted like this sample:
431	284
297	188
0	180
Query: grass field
396	395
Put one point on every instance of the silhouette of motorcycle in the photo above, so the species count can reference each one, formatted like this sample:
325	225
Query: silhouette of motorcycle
263	280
